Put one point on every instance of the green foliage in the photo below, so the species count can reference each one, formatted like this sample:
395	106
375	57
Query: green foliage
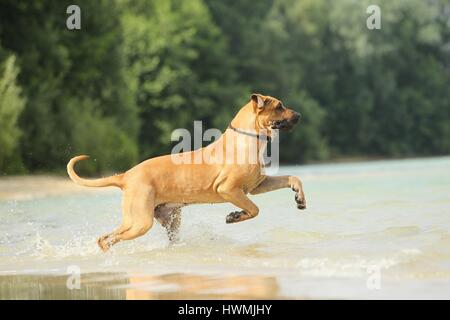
111	148
370	92
179	69
11	105
138	69
60	71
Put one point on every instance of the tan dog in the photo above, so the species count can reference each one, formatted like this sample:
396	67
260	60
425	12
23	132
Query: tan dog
159	187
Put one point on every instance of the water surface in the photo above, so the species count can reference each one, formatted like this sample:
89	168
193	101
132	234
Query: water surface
384	218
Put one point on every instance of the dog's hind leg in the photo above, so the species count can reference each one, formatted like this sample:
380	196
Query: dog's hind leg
138	207
107	240
170	219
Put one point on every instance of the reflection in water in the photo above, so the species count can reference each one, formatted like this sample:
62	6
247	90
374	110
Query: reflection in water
43	287
185	286
123	286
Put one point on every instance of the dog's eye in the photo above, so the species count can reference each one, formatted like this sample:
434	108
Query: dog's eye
279	107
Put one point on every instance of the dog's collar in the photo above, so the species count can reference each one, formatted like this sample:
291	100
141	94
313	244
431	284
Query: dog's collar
262	137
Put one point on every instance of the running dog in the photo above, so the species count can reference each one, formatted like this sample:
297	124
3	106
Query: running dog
160	187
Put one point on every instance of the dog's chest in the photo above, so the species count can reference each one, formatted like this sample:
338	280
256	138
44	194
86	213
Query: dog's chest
253	179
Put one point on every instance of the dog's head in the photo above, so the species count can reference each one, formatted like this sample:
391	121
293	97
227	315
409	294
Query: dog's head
272	114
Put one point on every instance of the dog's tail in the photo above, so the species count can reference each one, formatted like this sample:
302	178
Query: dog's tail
102	182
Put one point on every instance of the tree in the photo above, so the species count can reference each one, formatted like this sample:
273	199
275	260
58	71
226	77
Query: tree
273	55
139	69
71	77
179	69
11	105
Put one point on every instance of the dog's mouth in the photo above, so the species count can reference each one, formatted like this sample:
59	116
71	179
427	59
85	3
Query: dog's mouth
284	124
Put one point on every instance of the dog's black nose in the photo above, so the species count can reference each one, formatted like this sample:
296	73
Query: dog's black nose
296	117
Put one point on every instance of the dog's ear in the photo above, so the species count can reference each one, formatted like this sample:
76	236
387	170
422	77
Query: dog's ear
258	101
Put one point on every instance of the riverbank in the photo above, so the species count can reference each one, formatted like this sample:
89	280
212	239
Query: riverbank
39	186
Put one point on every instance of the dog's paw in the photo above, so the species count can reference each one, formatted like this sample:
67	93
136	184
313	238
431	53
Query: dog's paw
301	201
296	186
235	216
104	243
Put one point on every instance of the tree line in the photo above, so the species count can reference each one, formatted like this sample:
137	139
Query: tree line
137	70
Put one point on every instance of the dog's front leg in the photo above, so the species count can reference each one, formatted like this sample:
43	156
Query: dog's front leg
275	183
237	197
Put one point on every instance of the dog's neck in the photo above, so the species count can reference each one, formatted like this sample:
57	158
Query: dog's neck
246	120
246	129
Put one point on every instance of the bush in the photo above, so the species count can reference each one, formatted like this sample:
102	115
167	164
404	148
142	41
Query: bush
11	105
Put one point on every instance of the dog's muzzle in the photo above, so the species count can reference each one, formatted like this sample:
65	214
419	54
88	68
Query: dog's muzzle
285	124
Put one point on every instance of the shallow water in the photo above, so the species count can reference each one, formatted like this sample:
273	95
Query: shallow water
372	230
